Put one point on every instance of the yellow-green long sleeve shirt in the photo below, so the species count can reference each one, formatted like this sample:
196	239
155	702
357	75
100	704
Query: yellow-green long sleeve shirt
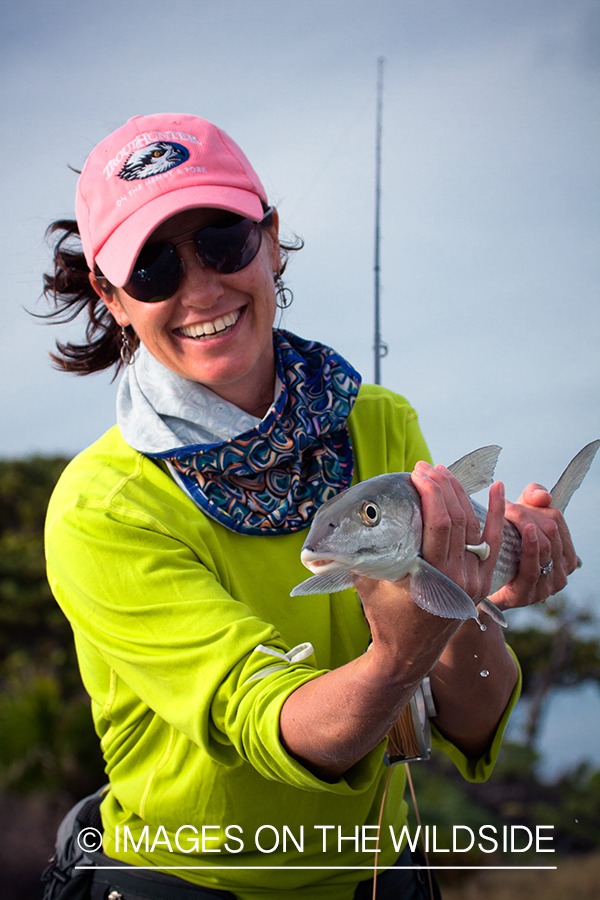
168	609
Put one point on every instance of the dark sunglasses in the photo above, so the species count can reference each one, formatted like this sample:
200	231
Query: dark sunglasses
226	246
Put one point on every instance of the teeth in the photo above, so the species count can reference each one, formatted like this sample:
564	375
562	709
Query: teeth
206	328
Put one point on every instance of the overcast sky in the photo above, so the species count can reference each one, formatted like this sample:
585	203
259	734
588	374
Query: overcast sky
489	208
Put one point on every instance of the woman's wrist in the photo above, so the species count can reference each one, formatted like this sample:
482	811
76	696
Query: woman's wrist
406	640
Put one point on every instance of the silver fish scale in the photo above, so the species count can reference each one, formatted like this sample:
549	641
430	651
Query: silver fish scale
509	556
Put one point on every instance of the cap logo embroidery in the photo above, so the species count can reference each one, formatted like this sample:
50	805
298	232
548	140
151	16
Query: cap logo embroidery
153	160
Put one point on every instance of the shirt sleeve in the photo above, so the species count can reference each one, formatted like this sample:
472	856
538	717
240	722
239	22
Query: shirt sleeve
385	433
180	649
480	768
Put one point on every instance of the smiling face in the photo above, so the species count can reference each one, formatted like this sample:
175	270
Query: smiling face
216	329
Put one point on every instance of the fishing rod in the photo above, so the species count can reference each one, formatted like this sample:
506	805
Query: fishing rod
380	348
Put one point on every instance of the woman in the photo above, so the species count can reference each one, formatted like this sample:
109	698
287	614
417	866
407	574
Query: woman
244	731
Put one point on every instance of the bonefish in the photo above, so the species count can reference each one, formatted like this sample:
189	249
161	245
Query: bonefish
375	528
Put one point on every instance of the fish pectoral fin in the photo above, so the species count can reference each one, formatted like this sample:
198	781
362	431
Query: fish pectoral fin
437	594
475	471
493	612
324	584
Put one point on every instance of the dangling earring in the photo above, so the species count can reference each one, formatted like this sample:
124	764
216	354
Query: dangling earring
284	295
127	351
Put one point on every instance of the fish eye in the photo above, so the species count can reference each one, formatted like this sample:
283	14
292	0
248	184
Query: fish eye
370	513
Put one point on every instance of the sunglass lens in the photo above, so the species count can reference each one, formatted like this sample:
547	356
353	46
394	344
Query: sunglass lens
156	274
229	247
226	246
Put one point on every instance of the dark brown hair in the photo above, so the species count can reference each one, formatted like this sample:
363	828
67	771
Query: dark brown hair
67	288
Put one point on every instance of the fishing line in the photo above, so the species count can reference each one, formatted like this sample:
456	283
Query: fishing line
418	817
335	153
387	784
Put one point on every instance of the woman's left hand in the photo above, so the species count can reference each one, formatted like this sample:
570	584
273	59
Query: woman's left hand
547	553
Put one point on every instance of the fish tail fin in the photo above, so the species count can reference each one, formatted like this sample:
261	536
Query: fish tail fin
573	475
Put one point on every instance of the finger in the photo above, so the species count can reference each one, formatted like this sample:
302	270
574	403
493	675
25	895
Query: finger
522	516
548	581
464	567
535	495
458	567
555	543
444	523
522	590
456	494
546	549
553	570
552	575
437	523
449	524
492	534
554	519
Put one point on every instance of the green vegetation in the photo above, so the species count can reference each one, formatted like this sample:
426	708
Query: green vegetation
47	742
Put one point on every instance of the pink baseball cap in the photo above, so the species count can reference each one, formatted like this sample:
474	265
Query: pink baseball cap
149	170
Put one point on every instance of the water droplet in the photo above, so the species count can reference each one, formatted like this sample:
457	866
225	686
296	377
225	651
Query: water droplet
482	627
484	673
475	656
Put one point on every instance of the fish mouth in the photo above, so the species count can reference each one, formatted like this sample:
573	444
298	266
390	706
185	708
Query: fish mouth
320	563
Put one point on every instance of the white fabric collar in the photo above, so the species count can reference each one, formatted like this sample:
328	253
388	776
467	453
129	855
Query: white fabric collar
158	410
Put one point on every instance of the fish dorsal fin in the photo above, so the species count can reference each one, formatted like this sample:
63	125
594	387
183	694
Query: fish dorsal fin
437	594
324	584
573	475
475	471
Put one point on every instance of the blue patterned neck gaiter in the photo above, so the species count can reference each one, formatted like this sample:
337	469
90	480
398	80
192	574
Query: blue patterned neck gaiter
273	478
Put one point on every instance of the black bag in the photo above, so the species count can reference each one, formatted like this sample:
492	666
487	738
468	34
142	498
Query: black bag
61	880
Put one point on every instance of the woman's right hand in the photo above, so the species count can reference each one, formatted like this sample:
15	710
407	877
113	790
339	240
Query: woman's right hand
450	523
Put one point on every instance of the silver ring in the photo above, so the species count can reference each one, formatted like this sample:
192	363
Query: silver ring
545	570
481	550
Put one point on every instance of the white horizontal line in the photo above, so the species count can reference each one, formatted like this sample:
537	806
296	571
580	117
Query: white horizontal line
312	868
